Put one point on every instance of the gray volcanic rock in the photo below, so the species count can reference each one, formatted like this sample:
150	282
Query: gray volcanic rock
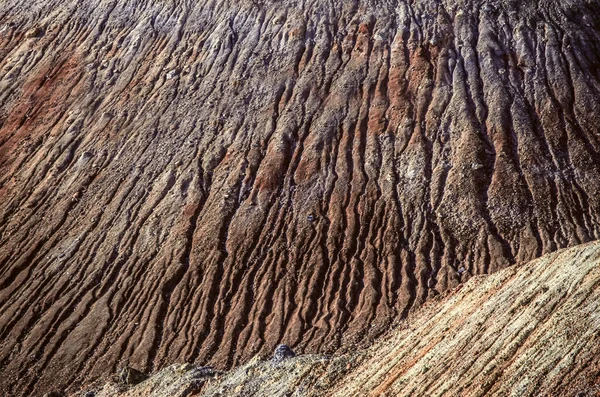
282	353
201	181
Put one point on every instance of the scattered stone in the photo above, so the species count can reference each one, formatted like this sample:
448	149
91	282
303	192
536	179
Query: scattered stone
131	376
282	353
204	372
172	74
34	32
488	9
186	367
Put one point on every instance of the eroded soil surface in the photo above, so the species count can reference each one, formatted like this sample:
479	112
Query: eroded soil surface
199	181
531	330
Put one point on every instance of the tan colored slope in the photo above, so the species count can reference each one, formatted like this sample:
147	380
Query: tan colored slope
531	330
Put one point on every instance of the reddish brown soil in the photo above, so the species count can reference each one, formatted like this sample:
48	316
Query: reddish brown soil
529	330
200	182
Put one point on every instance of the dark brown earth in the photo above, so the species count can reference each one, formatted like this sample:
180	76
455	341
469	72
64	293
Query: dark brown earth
200	181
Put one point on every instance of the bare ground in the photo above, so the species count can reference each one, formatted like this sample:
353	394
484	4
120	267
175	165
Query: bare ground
200	181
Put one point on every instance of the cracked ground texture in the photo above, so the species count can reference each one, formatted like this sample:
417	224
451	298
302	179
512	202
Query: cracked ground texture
199	181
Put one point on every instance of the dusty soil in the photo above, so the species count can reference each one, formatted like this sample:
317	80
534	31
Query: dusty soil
200	181
531	330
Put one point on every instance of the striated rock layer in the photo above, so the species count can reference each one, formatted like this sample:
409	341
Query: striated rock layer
200	181
530	330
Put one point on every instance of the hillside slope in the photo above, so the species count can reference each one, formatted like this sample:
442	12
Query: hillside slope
531	330
202	180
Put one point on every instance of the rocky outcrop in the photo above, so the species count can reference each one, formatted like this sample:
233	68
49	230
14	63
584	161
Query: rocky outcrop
530	330
201	181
